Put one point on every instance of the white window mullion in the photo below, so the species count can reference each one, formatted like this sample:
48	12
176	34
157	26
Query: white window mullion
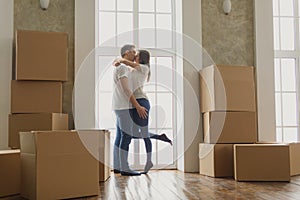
116	23
297	41
296	24
136	22
281	103
298	94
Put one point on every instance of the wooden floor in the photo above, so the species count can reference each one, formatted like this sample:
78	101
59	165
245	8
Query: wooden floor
173	184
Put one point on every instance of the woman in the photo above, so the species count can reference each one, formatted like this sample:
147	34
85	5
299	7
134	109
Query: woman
139	74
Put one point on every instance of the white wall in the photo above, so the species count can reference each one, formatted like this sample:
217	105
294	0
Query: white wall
84	115
191	27
264	62
6	41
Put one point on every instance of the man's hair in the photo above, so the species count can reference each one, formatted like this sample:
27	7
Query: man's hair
126	47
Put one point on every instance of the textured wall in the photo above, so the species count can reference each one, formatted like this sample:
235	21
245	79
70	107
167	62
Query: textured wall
229	39
59	18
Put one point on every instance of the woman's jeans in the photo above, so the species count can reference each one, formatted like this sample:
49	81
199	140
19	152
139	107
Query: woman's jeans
140	126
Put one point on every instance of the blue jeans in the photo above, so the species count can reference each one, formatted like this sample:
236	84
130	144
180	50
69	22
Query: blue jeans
123	139
140	126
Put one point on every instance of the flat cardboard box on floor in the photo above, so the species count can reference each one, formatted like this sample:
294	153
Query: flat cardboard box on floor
57	165
102	139
216	160
10	170
34	122
227	88
36	97
295	158
261	162
41	55
230	127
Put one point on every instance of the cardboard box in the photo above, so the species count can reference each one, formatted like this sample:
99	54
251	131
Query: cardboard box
261	162
41	55
295	158
36	97
230	127
101	138
34	122
216	160
56	165
10	169
227	88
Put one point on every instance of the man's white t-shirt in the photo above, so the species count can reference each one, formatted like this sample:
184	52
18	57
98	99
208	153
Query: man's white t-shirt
138	78
120	101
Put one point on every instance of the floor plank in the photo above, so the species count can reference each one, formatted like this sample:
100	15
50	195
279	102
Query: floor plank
173	184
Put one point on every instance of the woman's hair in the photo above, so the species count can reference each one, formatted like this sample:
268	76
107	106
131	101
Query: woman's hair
144	58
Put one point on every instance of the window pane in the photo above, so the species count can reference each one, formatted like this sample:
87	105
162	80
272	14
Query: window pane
164	73
105	73
277	75
164	37
106	116
165	150
164	111
107	26
146	5
150	86
163	6
146	36
125	27
275	8
153	110
286	7
276	33
290	134
131	153
287	33
278	109
154	148
125	5
107	4
289	109
288	75
279	134
143	154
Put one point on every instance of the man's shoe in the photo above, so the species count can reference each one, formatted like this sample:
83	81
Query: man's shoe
130	173
117	171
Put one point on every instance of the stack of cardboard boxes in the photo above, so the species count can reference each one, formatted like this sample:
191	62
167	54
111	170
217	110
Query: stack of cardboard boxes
53	163
36	92
230	148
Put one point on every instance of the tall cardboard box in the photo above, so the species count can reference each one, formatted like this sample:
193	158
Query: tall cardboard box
227	88
295	158
261	162
101	138
230	127
216	160
10	170
36	97
34	122
41	55
56	165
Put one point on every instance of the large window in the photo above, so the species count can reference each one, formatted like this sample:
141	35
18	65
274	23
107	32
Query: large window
140	22
287	61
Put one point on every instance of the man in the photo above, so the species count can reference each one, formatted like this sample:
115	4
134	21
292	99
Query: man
123	100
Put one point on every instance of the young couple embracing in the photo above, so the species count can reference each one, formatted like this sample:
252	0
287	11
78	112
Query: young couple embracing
131	106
